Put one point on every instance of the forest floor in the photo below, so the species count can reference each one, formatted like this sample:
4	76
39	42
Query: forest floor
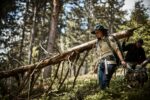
87	88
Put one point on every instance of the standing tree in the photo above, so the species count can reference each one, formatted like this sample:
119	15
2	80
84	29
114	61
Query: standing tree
139	14
140	17
111	14
32	34
56	8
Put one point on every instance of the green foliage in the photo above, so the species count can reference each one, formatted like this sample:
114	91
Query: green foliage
6	7
139	17
76	21
87	88
139	14
9	32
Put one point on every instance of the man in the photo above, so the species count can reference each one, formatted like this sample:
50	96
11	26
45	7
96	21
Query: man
135	56
106	59
135	52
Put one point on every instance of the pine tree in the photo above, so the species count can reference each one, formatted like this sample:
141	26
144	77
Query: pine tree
140	17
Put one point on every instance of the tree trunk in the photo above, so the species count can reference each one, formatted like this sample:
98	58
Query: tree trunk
56	7
23	31
32	35
61	57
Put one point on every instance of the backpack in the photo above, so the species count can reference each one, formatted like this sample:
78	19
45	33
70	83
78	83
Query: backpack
120	48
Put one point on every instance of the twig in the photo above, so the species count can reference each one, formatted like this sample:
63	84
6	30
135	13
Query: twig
47	51
20	63
61	83
82	62
33	71
54	78
44	49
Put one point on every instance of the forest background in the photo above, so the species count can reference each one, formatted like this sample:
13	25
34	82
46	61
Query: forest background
34	30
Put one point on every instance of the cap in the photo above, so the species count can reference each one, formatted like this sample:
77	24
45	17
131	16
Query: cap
99	27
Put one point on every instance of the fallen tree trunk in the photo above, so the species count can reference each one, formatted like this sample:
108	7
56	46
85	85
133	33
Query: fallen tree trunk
49	61
60	57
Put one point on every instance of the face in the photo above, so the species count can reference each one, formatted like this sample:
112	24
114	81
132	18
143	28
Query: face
99	33
138	44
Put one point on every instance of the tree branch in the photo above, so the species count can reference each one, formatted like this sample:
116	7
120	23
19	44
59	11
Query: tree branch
61	57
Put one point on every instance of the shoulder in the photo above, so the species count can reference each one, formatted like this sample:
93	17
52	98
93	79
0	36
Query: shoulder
111	38
142	49
131	44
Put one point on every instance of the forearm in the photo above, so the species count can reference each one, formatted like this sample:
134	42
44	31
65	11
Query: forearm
119	55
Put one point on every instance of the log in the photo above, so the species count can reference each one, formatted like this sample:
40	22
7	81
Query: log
60	57
49	61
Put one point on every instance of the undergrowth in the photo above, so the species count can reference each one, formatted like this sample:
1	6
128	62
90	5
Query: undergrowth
87	89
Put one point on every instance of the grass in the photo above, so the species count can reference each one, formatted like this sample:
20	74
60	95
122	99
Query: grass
87	89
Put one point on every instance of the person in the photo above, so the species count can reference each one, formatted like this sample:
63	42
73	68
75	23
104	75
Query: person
135	56
135	52
106	59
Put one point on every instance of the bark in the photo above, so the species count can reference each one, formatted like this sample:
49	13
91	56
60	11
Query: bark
60	57
49	61
32	35
56	7
23	31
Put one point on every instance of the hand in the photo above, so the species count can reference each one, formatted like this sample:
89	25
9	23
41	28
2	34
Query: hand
123	63
95	70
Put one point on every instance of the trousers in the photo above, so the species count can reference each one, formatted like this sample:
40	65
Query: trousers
103	78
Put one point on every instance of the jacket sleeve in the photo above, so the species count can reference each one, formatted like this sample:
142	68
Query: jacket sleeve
143	56
126	47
